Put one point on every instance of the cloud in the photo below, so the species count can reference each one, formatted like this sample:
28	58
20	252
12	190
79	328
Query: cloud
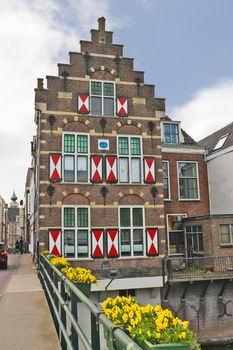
210	109
34	37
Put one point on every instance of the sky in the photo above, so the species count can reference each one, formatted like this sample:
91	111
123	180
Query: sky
185	48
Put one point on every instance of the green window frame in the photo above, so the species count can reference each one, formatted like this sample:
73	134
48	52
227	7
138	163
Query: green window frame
132	228
102	97
75	157
129	159
76	231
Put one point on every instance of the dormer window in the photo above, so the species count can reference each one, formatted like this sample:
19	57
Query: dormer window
102	98
171	133
220	142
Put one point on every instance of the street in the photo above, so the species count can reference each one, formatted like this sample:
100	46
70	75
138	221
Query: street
5	275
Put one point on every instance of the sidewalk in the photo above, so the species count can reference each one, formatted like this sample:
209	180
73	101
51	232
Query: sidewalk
25	319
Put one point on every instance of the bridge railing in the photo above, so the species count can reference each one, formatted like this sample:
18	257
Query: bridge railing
79	321
199	268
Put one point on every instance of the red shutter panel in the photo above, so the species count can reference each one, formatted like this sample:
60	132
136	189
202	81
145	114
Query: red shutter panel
152	241
83	104
122	106
149	170
113	243
55	242
97	241
111	169
55	172
96	168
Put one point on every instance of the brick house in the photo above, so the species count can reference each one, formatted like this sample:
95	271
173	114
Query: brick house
98	168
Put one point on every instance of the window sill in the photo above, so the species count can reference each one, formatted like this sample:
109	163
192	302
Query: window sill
190	200
227	245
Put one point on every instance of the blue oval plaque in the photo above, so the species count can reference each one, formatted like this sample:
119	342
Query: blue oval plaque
103	144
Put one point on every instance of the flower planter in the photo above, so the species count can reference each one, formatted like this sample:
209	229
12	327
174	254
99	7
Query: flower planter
146	345
85	288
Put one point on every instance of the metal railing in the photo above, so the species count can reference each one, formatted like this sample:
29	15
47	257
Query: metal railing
78	321
199	268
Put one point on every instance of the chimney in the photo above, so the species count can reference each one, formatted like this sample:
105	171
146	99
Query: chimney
40	84
101	21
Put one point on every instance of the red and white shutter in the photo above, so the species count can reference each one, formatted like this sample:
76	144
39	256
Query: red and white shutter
149	170
55	242
152	241
55	172
112	243
97	242
122	106
96	168
111	169
83	104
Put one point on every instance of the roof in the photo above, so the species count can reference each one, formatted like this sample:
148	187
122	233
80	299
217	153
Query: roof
211	141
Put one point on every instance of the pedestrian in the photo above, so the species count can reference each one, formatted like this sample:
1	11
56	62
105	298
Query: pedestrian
17	246
21	245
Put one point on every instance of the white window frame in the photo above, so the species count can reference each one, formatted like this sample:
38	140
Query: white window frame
76	154
167	233
178	184
178	132
76	229
102	96
169	183
230	244
131	228
220	143
130	157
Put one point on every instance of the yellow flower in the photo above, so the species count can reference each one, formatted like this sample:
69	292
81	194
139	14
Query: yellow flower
185	324
182	335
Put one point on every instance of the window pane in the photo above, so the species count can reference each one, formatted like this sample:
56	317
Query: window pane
138	242
82	240
69	143
108	106
123	145
82	144
125	243
165	169
96	88
225	233
123	170
137	217
108	89
124	217
135	146
82	169
69	168
69	243
135	170
200	242
96	105
165	189
187	170
69	217
82	217
188	188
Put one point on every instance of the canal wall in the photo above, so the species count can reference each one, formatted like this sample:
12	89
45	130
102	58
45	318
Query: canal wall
208	305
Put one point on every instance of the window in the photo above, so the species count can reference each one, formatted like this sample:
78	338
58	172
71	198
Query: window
127	292
175	234
220	142
102	98
166	180
130	159
194	239
226	233
131	231
170	133
76	154
76	226
188	180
